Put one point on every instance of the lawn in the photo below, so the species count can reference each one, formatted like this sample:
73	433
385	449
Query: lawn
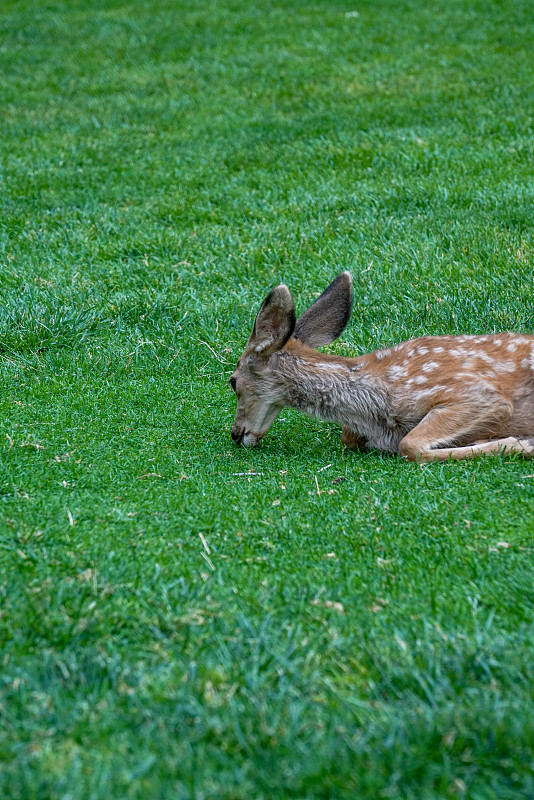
183	618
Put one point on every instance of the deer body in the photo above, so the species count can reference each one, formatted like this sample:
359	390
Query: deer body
432	398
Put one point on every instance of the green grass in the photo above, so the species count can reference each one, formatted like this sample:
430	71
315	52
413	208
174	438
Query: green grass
171	627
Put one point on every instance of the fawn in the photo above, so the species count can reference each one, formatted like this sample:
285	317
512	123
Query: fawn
428	399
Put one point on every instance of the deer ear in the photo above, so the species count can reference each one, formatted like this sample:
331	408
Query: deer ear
275	322
327	318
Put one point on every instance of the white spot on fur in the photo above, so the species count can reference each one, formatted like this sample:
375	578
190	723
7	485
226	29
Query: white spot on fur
421	379
411	352
504	366
512	347
422	351
497	342
485	357
459	352
396	372
438	349
380	354
430	366
428	392
524	363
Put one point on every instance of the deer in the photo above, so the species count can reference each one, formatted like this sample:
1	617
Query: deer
433	398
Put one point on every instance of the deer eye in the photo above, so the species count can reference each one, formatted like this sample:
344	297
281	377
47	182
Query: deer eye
233	383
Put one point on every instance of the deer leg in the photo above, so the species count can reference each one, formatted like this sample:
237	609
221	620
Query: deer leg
428	440
351	440
507	446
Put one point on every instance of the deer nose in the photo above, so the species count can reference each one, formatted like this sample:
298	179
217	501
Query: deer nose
237	435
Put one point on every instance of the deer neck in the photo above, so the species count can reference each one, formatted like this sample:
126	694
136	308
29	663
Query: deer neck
332	388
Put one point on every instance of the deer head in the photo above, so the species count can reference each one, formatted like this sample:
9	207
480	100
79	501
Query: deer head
259	388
